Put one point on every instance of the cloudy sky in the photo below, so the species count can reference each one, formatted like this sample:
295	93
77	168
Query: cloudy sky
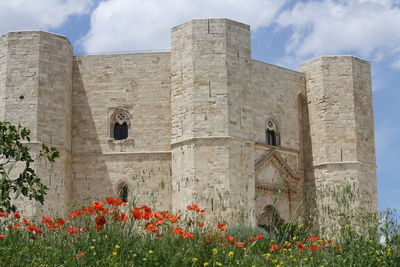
284	32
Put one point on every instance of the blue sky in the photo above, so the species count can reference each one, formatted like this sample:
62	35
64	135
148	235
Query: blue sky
284	32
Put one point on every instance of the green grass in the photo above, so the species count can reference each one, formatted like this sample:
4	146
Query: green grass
127	243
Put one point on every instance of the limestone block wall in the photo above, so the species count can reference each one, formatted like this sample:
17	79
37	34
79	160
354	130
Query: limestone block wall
37	95
276	93
147	175
140	84
22	79
210	83
340	112
3	74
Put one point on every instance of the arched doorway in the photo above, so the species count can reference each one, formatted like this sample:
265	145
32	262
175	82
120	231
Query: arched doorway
269	218
123	192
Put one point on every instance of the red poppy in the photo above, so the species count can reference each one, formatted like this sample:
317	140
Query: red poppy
72	230
174	218
231	239
165	214
122	217
2	236
222	226
160	221
74	214
193	207
114	202
148	215
17	215
102	210
100	220
313	248
151	227
260	237
51	226
300	245
251	239
313	238
83	229
3	213
200	224
137	214
274	248
244	249
60	221
34	228
239	244
187	235
25	222
97	205
46	220
79	255
338	249
88	210
145	208
177	230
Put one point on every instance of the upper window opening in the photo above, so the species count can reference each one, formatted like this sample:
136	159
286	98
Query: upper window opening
120	131
271	138
271	133
120	124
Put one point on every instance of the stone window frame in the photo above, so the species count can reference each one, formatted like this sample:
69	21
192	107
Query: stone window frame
114	118
272	125
120	186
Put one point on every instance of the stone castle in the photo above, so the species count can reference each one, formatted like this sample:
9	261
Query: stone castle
203	123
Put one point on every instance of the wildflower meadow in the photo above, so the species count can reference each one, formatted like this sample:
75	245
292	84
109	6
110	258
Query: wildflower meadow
112	233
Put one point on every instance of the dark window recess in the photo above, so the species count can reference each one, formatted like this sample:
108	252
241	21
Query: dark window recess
123	193
120	131
271	138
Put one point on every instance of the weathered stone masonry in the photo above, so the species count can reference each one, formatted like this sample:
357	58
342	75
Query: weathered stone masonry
205	123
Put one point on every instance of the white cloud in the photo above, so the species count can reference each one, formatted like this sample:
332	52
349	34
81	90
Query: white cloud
369	28
127	25
38	14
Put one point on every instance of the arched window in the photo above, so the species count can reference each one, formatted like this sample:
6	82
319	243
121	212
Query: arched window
120	124
271	133
123	192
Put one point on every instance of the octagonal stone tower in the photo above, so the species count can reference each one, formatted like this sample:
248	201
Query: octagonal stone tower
212	120
341	127
36	83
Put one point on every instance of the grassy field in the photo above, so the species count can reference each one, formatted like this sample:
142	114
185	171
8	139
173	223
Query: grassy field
110	233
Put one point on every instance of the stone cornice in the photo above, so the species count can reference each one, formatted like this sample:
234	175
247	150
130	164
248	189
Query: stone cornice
275	189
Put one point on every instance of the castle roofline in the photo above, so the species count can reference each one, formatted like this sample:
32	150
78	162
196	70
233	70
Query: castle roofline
332	56
226	19
38	31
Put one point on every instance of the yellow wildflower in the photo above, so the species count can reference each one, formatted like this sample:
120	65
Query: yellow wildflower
115	253
218	263
206	264
195	259
214	251
117	246
231	254
151	251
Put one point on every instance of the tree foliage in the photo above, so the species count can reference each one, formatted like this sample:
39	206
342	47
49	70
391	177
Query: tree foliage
12	151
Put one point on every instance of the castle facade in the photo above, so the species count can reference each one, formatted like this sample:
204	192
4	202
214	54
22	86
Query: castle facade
203	123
